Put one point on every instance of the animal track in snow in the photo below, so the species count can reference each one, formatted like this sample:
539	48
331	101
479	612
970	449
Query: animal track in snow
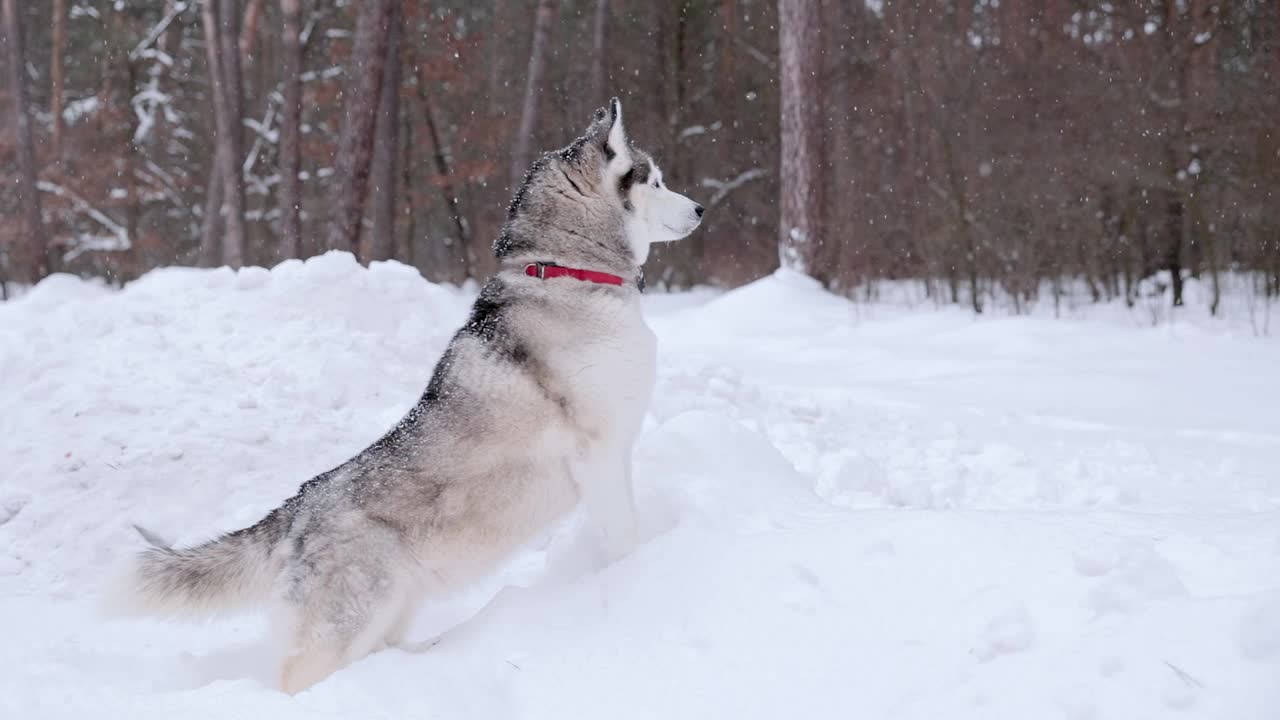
1009	632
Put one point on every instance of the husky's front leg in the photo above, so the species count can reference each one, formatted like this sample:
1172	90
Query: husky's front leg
609	503
623	532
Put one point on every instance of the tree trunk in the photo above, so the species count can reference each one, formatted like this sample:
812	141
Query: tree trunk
964	223
599	26
847	260
522	158
380	243
404	240
252	15
1174	219
360	109
235	242
447	188
219	19
127	166
57	76
495	57
800	183
27	260
211	233
1015	27
290	132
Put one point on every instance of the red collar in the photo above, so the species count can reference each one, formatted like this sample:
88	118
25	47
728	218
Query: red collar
543	271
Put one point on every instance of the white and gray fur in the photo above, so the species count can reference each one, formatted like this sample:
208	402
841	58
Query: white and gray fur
531	411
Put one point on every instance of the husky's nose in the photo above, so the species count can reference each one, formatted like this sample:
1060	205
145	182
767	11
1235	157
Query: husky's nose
699	210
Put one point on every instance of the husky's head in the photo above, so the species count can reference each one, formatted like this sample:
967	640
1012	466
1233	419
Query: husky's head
597	202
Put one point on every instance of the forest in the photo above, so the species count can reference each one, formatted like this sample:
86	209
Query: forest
992	151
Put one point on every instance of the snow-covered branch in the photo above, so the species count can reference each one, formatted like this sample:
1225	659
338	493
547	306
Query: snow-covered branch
150	99
156	177
262	132
117	240
691	131
178	8
1163	102
145	104
756	53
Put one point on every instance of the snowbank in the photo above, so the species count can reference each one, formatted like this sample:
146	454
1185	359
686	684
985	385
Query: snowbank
849	510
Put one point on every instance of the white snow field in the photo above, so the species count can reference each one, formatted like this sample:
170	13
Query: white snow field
849	511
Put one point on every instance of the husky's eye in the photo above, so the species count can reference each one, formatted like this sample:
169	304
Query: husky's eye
625	183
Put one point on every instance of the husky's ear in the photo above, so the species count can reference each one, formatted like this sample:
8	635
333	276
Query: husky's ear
616	147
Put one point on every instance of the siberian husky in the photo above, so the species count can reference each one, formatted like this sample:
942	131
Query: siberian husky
531	412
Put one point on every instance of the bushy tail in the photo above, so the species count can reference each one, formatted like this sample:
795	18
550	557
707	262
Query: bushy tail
235	570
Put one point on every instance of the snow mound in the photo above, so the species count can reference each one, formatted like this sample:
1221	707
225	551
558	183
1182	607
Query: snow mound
1134	574
712	471
191	388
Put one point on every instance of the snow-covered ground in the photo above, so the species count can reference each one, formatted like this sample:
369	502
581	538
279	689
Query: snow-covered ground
849	510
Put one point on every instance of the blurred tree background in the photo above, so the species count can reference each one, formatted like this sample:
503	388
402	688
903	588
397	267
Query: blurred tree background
984	148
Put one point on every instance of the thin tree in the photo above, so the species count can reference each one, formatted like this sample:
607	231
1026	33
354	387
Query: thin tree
360	109
235	246
291	131
252	16
404	250
27	259
211	232
522	158
380	243
57	76
440	157
800	186
599	26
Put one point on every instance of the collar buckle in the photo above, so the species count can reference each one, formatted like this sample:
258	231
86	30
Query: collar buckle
538	269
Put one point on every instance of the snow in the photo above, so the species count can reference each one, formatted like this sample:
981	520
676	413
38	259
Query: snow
81	108
848	510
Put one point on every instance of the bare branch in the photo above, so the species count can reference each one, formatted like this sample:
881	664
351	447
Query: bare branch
724	187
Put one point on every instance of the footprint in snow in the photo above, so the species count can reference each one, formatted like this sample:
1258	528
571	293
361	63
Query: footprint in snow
1259	631
1110	666
804	591
880	548
1007	633
1078	703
